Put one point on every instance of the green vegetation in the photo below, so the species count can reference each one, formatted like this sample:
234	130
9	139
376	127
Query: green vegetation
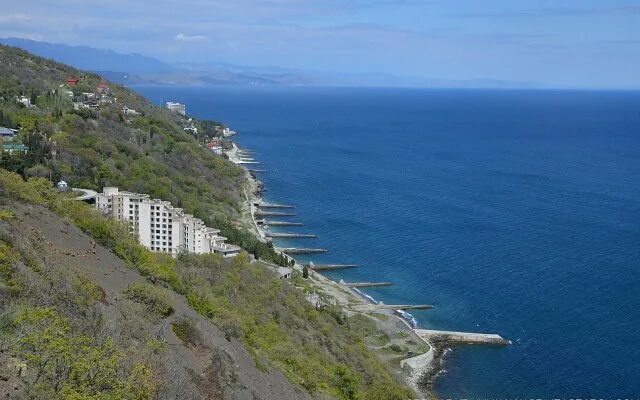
150	153
49	335
186	331
156	301
320	350
88	291
74	366
6	215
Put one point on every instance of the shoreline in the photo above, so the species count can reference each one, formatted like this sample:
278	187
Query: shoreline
354	301
424	350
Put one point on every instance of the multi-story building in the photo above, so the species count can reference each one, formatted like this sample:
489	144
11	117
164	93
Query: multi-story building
177	107
162	227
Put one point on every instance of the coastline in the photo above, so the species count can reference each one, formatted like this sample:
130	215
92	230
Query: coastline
423	359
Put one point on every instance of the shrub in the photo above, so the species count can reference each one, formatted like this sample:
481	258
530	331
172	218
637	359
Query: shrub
67	365
6	215
186	331
153	297
88	292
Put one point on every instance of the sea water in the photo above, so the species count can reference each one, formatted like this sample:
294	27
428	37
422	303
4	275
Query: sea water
512	212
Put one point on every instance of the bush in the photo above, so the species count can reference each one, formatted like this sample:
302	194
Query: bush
153	297
88	291
6	215
67	365
186	331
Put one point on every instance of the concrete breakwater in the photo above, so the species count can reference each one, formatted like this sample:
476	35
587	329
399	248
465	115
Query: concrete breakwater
262	204
462	337
261	213
279	223
302	250
365	284
328	267
382	306
291	235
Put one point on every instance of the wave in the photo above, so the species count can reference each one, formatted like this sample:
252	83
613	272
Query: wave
402	314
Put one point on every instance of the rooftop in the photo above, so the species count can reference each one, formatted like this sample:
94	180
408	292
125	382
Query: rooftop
6	131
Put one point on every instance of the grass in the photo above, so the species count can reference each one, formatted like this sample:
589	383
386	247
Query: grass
381	317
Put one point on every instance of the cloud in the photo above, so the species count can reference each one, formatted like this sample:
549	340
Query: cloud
555	12
8	18
181	37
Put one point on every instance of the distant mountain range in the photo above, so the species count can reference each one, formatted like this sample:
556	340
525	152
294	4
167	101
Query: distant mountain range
138	69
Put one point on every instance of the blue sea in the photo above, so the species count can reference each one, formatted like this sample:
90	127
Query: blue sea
512	212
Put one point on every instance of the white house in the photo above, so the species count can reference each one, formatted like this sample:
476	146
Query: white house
24	100
177	107
129	111
62	186
162	227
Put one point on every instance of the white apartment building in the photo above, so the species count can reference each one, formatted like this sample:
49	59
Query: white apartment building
162	227
177	107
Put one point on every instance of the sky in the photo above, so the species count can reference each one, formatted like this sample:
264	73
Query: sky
561	43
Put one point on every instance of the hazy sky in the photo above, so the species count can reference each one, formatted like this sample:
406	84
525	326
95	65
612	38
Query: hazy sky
583	43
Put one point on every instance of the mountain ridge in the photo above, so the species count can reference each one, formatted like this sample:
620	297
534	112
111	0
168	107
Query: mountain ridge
134	68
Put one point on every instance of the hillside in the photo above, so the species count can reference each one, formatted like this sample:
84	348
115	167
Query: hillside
148	152
72	279
64	290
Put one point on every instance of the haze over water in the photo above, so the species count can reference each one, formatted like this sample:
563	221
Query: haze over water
513	212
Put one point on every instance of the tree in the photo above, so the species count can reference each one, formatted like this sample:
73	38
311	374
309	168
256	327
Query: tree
38	171
305	272
34	97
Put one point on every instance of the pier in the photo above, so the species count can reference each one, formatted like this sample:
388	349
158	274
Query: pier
302	250
256	170
328	267
246	162
262	204
382	306
462	337
291	235
279	223
365	284
261	213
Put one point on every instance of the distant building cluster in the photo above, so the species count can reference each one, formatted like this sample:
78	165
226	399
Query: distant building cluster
215	145
160	226
92	100
177	107
24	100
8	146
